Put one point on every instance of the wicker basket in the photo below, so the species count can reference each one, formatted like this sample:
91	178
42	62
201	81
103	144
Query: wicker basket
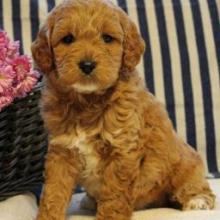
23	144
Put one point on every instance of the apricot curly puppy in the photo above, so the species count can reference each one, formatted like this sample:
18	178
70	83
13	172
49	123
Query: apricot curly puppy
106	131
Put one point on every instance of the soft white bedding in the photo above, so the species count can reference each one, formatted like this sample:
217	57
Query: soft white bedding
24	207
156	214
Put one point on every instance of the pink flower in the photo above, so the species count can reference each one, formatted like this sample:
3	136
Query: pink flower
8	49
5	100
13	48
6	78
4	40
17	77
21	66
3	52
25	86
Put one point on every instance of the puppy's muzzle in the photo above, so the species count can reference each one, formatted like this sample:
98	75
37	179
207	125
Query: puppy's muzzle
87	66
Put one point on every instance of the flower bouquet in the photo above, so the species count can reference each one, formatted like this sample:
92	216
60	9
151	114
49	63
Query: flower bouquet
23	140
17	77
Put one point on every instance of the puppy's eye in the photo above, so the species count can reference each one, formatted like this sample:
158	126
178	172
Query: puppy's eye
107	38
68	39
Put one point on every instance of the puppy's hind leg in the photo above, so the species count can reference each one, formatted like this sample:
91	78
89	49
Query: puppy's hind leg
200	202
194	194
195	198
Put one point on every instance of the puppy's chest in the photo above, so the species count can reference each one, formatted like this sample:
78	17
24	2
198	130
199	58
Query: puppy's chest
86	147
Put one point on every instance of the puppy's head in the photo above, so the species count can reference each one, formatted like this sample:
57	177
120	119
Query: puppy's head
86	44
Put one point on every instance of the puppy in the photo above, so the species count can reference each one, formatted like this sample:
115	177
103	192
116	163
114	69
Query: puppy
106	131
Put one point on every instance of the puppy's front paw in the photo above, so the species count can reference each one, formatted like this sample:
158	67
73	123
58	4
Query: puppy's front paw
199	203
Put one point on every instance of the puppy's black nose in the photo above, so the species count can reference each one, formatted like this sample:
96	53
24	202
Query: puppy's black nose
87	66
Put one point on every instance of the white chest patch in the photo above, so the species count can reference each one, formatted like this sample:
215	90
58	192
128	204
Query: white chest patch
89	178
85	149
88	152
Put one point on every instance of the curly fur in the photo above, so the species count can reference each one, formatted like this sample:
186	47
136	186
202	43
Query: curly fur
106	131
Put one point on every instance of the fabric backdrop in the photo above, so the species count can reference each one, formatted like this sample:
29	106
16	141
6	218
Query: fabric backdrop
181	65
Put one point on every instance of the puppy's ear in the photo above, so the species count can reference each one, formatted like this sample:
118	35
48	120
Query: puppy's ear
42	52
134	45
